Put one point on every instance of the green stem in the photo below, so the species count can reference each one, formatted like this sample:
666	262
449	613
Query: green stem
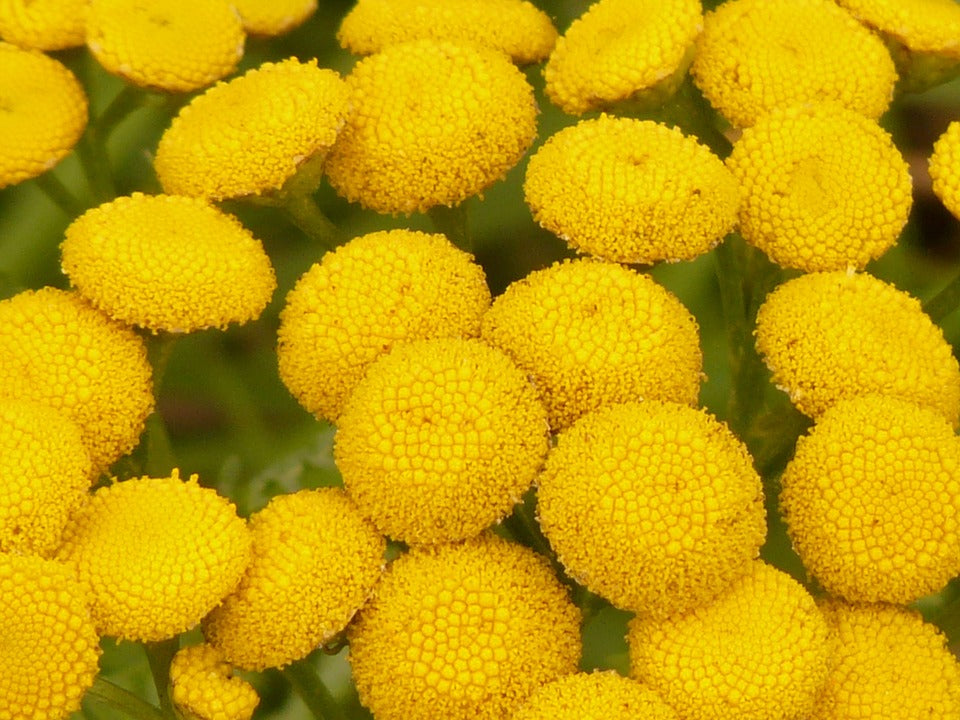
160	458
123	700
59	195
730	278
452	222
96	166
945	302
303	211
159	656
307	683
129	98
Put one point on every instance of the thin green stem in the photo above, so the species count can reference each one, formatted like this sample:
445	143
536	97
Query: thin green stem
121	699
453	222
306	215
59	195
945	302
730	277
159	656
309	686
96	166
129	98
160	458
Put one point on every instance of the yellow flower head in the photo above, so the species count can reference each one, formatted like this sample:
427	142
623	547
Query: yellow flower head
621	48
440	439
167	262
872	500
824	188
315	562
631	191
50	650
58	351
591	334
43	112
464	632
273	17
760	652
514	27
594	696
889	665
157	554
171	45
433	124
922	26
362	299
250	135
655	506
203	686
44	24
945	168
833	335
757	55
45	470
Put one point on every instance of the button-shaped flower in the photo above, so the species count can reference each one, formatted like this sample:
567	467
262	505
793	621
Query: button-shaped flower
945	168
44	24
594	696
273	17
202	685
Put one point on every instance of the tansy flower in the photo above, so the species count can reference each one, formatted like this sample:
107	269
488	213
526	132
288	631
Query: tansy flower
655	506
945	168
273	17
167	263
45	471
824	188
464	632
514	27
440	439
50	650
43	24
44	113
872	500
888	665
57	350
315	562
203	686
172	45
594	696
362	299
591	334
251	134
833	335
619	49
631	191
433	124
157	554
757	55
760	652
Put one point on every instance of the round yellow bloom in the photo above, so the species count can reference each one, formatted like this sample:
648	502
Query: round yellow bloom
631	191
250	135
44	24
594	696
362	299
273	17
924	26
621	48
655	506
156	553
440	439
433	124
58	351
464	632
203	685
315	562
757	55
167	262
834	335
591	334
945	168
824	188
50	651
43	112
889	665
172	45
514	27
45	470
760	652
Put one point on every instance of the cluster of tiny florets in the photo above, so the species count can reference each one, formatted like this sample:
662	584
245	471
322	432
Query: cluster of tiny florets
945	168
44	24
594	696
202	684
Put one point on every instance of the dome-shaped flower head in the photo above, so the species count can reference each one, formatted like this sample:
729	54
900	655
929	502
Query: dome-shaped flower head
45	470
203	686
362	299
166	262
44	113
620	49
888	665
433	124
273	17
315	562
757	55
655	506
594	696
833	335
945	168
872	500
57	350
44	24
823	187
761	651
631	191
157	554
250	135
592	333
463	631
440	439
514	27
171	45
50	650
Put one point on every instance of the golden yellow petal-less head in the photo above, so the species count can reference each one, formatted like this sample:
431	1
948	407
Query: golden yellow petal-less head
269	18
202	684
945	168
44	24
923	26
594	696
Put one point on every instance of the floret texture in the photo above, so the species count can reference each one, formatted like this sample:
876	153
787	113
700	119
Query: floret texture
273	17
203	685
44	24
594	696
923	26
945	168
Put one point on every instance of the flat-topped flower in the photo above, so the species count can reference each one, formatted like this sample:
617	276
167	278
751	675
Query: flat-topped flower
273	17
945	168
922	26
203	686
594	696
44	24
